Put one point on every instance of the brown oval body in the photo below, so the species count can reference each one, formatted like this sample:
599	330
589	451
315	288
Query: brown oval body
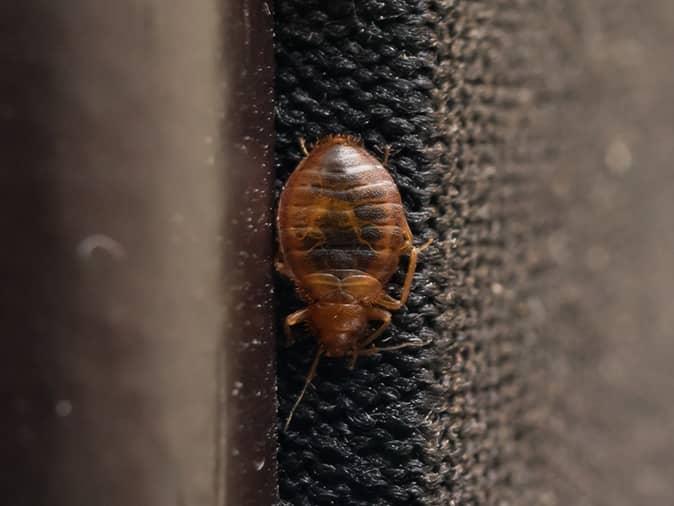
342	230
340	214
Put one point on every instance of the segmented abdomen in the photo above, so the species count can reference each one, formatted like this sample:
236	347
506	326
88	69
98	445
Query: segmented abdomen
341	211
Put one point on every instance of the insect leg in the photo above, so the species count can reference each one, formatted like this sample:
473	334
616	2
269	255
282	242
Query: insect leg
373	313
425	245
411	268
388	302
281	267
415	344
387	155
310	376
384	316
407	285
303	146
294	319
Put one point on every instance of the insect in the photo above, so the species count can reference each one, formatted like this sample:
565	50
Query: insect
342	230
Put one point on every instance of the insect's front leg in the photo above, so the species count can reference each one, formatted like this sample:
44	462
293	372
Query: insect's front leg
411	344
291	320
373	313
385	316
280	266
388	302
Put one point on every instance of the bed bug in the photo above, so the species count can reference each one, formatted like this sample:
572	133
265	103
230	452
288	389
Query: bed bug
342	230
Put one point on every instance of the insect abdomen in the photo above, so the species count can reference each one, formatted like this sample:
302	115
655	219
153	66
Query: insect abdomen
341	211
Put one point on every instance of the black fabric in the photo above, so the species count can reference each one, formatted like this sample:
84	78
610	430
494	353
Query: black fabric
534	143
450	85
360	68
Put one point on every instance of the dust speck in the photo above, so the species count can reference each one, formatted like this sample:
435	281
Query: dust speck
63	408
618	157
90	244
258	464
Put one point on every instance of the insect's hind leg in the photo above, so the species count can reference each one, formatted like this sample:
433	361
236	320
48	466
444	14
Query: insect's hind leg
391	303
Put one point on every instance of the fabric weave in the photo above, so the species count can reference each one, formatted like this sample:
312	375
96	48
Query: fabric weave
436	425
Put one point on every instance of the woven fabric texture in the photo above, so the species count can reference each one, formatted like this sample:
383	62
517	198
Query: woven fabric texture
445	85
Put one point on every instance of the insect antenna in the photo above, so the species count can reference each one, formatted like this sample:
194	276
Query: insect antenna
310	376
